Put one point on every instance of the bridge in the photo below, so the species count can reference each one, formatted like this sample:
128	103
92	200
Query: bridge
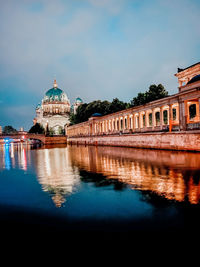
58	139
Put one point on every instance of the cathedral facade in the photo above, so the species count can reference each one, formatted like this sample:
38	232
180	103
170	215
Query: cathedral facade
54	111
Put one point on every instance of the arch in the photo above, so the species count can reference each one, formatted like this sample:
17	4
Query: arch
125	122
165	116
136	120
121	123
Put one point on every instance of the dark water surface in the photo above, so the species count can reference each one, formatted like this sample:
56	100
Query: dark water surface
81	190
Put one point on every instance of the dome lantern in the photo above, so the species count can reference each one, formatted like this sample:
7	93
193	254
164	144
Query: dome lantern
55	84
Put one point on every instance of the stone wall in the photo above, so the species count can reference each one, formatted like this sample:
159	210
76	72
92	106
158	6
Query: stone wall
189	141
51	140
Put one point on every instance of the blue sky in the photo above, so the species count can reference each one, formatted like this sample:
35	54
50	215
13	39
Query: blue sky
96	49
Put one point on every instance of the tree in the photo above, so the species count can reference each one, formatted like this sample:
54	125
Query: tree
155	92
37	128
117	105
9	130
85	111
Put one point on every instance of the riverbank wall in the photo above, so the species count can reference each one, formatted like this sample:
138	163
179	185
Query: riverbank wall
52	140
185	141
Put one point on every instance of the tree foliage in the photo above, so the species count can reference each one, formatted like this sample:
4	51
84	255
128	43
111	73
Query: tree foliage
85	111
37	128
155	92
9	130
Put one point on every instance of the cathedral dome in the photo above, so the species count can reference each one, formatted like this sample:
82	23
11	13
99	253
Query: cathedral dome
55	94
78	100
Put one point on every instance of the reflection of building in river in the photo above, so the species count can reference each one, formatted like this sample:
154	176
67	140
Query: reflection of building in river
173	175
13	155
56	174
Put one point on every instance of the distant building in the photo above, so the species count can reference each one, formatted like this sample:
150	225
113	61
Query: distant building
54	111
77	103
1	131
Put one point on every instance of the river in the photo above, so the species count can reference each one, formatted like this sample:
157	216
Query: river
99	189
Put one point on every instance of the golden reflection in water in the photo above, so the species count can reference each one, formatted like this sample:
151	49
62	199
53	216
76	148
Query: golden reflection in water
55	173
173	175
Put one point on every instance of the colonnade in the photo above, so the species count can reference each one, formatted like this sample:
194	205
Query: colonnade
139	120
166	114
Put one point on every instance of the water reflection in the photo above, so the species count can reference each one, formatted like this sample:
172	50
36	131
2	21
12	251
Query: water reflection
14	155
172	175
55	173
60	171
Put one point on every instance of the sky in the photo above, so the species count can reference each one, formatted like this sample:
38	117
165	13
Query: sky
96	50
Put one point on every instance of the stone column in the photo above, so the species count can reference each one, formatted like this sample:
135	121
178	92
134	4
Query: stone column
153	119
128	122
170	117
182	116
161	118
146	120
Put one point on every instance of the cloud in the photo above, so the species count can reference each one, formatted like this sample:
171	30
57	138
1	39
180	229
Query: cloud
113	6
96	49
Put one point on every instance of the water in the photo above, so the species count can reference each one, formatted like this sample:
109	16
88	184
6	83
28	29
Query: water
99	189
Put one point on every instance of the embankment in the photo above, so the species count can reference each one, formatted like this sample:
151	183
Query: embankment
188	141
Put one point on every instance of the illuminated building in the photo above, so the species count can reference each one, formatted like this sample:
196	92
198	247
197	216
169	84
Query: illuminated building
54	111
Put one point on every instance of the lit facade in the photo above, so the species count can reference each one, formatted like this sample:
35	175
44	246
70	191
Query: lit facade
54	111
179	112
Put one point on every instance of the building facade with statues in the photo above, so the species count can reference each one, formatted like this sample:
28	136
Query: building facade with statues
54	111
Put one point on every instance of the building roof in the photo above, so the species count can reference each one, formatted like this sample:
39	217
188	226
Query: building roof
55	94
194	79
96	115
179	69
78	100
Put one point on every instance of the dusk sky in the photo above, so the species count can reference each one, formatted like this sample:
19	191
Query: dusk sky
96	49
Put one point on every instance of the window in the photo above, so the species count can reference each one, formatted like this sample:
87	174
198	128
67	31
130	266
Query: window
121	124
192	111
165	117
125	123
143	120
157	116
150	119
174	114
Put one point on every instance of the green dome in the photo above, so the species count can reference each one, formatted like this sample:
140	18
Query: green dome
55	94
79	100
38	106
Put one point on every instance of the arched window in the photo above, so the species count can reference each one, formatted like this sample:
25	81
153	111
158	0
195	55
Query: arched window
143	120
157	116
136	121
121	124
125	123
150	119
